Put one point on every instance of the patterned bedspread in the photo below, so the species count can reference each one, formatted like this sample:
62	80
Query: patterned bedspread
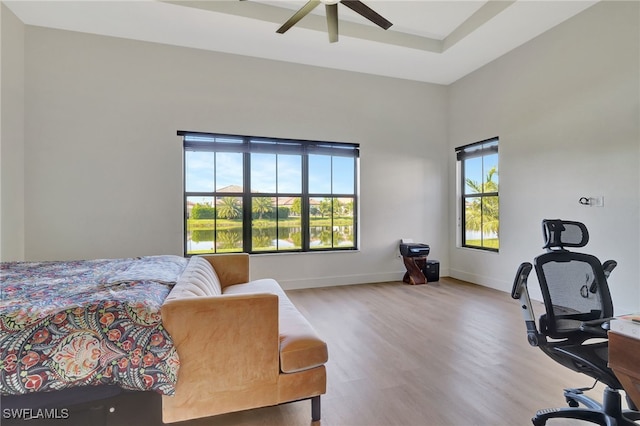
89	322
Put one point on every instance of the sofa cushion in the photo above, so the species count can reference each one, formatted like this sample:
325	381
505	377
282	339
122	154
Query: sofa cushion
300	346
198	279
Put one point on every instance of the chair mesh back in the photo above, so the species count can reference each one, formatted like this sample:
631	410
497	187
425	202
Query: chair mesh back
574	289
563	233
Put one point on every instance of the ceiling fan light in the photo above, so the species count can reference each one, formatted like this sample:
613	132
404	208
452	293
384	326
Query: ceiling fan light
330	1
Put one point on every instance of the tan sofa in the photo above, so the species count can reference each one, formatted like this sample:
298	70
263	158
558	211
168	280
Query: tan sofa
242	344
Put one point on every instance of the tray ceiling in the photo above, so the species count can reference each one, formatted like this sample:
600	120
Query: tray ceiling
430	41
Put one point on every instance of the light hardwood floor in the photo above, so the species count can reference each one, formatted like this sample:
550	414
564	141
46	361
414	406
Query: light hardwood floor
448	353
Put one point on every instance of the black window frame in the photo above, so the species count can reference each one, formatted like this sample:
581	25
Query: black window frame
247	145
477	149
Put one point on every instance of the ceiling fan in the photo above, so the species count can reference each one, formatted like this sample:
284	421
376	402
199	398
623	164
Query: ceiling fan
331	7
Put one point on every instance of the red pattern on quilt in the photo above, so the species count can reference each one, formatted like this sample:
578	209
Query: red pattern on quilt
89	322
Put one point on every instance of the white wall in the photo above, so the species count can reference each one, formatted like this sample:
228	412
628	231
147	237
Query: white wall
566	109
104	164
11	136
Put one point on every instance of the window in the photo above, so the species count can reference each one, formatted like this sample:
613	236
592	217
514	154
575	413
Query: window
479	201
267	195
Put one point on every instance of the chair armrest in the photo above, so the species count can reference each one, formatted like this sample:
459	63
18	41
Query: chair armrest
598	327
223	343
231	268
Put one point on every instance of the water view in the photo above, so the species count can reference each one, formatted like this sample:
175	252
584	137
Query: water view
219	229
264	239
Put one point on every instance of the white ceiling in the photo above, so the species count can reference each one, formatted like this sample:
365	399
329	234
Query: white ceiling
430	41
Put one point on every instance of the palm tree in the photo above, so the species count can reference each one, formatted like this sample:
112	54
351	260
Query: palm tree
262	205
228	240
296	207
325	207
229	208
348	208
482	213
337	207
263	239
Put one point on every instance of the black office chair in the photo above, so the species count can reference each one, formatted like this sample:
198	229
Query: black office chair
573	330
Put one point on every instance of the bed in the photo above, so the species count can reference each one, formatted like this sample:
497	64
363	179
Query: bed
191	337
71	324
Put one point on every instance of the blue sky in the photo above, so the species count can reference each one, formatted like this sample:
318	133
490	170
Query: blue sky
476	168
200	173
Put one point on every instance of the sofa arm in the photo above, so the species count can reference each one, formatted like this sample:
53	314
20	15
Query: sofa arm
228	351
231	268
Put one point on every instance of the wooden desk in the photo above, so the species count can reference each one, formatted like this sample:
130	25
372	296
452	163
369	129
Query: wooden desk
624	360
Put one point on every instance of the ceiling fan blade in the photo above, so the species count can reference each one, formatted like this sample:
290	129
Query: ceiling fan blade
332	21
367	12
304	10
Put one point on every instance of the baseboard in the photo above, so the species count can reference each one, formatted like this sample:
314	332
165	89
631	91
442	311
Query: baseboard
480	280
330	281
